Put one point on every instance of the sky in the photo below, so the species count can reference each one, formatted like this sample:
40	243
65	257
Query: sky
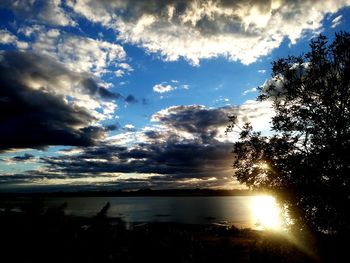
126	95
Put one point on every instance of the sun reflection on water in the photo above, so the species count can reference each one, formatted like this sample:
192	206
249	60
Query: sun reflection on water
266	214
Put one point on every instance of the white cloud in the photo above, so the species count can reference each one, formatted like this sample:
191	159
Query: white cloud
54	14
252	90
223	101
162	88
262	71
87	54
119	73
336	21
71	151
259	114
29	30
124	68
81	54
7	38
96	11
239	30
165	87
129	127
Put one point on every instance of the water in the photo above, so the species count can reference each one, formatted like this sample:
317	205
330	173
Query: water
235	210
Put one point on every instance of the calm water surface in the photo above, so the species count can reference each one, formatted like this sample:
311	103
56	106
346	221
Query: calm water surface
236	210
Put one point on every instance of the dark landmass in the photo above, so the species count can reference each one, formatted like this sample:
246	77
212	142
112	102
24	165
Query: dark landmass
141	192
39	234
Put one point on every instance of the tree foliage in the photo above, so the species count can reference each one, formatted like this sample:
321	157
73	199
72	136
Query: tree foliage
306	162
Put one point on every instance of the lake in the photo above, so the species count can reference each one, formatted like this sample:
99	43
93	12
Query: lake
241	211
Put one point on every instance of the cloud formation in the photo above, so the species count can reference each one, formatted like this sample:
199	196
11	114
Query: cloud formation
7	38
162	88
165	155
43	103
186	147
81	54
48	11
26	158
239	30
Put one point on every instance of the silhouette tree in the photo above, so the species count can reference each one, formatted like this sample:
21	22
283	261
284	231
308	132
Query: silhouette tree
306	160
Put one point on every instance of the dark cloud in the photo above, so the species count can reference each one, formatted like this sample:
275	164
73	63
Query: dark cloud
173	162
131	99
177	161
48	11
185	149
95	90
100	92
195	119
37	104
23	158
154	134
113	127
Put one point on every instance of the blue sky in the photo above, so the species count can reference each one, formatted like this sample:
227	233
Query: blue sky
135	94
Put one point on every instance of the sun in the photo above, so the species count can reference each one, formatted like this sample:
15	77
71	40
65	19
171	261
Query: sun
265	213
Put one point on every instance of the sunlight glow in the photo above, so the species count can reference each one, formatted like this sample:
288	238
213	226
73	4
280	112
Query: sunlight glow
264	166
265	213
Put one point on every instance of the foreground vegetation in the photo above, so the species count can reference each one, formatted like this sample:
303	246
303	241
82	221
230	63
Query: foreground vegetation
39	234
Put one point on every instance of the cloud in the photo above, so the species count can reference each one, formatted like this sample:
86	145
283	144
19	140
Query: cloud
129	128
185	147
131	99
7	38
44	103
252	90
124	68
48	11
195	120
53	13
26	158
163	88
81	54
163	153
336	21
222	101
194	30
